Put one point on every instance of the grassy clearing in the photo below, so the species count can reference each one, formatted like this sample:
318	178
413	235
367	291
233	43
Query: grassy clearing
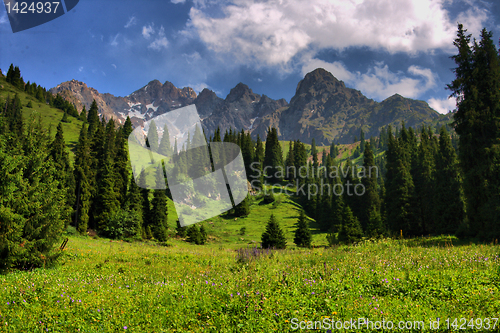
226	229
140	287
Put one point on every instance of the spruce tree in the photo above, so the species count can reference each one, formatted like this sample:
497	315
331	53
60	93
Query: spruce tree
300	160
302	233
165	147
350	231
193	234
257	169
127	128
10	74
134	198
362	142
158	215
82	172
370	217
477	87
121	167
152	138
399	188
203	235
290	163
273	158
423	169
449	205
145	203
32	225
273	237
93	118
334	151
180	231
65	176
106	204
314	154
243	208
83	115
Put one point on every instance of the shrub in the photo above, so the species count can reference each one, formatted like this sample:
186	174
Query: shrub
193	234
123	224
269	198
180	231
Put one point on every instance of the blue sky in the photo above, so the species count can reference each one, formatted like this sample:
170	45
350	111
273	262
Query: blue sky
379	47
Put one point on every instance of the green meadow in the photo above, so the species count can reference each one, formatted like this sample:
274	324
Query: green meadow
230	286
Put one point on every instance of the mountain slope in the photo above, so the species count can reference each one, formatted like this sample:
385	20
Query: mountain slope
322	108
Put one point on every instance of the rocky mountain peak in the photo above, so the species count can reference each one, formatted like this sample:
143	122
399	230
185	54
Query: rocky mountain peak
319	80
242	92
323	108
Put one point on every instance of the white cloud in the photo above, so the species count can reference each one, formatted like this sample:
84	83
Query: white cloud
336	68
147	31
114	41
257	31
177	1
80	69
131	21
443	105
274	32
379	82
192	58
4	18
114	66
160	41
382	83
199	87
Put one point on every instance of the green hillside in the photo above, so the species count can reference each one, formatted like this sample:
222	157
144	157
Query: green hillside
50	116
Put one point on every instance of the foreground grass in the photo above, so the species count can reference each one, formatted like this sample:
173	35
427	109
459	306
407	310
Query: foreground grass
104	286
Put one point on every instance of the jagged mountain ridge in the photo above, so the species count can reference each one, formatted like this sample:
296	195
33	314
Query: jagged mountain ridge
322	108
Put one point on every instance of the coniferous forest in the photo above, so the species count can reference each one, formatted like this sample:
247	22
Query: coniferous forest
405	184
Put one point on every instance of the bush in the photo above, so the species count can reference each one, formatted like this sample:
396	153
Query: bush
197	236
193	234
123	224
180	231
269	198
243	208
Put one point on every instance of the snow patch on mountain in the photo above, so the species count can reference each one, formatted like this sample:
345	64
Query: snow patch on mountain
150	106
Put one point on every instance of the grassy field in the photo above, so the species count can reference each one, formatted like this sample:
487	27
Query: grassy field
104	286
